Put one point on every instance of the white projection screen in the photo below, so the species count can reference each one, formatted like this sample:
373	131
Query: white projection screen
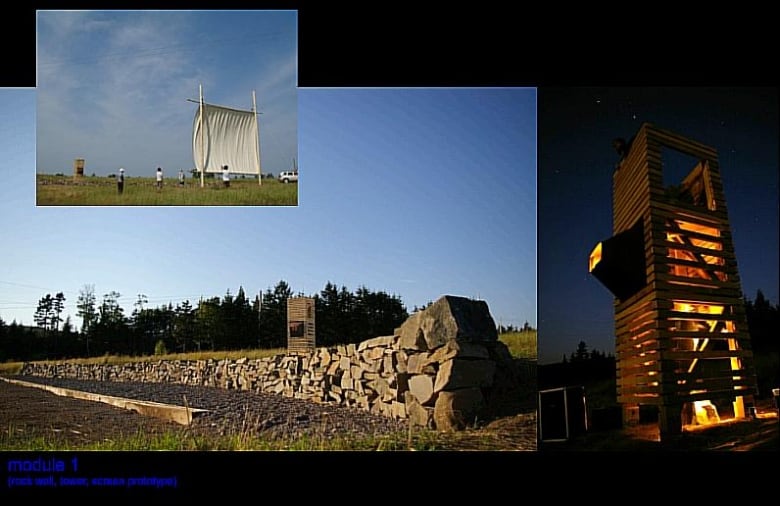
230	137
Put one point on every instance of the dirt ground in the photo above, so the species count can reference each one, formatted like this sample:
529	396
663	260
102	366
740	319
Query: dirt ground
758	434
33	413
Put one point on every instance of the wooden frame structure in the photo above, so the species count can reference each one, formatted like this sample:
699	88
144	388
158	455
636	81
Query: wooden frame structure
682	342
301	331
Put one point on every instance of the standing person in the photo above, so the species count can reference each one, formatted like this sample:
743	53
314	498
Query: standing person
159	178
225	176
120	180
181	177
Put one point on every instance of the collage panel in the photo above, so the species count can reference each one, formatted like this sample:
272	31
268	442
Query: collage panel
658	247
362	319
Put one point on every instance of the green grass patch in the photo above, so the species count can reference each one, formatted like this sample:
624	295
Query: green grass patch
15	367
141	191
521	344
12	438
11	368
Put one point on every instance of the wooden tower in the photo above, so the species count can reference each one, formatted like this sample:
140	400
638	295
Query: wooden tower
682	338
300	325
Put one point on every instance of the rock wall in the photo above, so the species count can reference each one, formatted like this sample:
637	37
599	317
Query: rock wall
443	368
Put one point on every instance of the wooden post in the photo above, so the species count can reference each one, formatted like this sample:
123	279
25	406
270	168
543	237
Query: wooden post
257	126
202	127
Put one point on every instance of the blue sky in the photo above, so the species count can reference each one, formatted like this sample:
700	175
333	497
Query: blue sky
416	192
113	85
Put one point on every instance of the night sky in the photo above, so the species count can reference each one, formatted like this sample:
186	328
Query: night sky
576	127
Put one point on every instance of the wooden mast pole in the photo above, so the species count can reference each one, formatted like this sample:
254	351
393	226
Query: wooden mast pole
257	125
202	127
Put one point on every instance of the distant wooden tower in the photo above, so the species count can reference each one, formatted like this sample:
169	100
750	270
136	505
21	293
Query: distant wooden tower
300	325
78	167
682	337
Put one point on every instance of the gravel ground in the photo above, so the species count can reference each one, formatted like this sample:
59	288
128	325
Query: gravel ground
246	413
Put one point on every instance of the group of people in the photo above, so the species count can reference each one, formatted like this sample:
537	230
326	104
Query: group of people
160	178
120	179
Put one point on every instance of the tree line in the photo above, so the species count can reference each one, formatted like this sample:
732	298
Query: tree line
217	323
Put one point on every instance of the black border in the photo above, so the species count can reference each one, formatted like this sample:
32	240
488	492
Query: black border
400	44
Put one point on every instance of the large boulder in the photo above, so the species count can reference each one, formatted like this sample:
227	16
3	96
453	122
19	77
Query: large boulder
421	385
417	414
460	349
410	334
457	409
457	373
449	318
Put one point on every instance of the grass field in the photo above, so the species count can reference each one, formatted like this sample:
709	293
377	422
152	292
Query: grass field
140	191
184	440
15	367
520	344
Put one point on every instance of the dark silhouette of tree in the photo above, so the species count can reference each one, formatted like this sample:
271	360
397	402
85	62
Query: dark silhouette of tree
57	306
43	312
273	316
327	315
86	311
207	323
763	319
184	325
582	352
111	328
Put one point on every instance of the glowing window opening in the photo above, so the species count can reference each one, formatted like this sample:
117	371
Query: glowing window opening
698	228
689	306
595	258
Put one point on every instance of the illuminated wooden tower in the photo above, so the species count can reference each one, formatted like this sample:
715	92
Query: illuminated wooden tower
682	338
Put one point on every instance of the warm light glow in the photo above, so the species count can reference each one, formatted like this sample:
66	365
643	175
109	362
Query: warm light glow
713	260
690	256
699	229
739	407
704	326
697	307
706	413
652	373
595	257
697	217
701	243
694	392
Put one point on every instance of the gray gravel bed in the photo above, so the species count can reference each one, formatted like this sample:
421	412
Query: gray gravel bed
242	412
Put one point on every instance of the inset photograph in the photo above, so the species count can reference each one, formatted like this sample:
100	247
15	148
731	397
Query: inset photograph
658	270
167	108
